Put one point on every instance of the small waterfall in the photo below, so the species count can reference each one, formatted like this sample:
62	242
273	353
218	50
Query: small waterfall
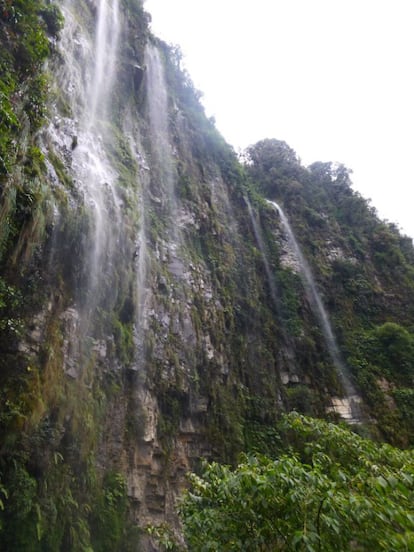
259	239
287	352
348	407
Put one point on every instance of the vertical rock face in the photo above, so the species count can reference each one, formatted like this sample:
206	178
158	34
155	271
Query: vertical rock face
164	319
147	352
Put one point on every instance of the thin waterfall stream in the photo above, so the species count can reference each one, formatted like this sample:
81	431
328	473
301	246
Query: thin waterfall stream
349	406
260	243
288	352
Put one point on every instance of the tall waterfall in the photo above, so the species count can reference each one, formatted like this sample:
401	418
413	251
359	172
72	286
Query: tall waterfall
163	185
141	253
347	407
160	135
87	76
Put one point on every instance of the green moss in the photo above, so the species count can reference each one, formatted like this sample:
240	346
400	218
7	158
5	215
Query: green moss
64	512
23	48
109	519
124	341
301	399
60	170
173	404
53	19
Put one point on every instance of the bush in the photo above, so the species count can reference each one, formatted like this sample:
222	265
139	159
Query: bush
328	490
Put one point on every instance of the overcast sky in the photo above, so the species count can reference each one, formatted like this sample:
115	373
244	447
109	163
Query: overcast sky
333	78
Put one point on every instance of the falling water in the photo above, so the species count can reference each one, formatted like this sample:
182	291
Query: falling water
348	407
164	170
87	74
159	132
106	46
260	243
141	254
287	352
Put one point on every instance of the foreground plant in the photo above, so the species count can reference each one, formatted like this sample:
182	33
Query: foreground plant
328	490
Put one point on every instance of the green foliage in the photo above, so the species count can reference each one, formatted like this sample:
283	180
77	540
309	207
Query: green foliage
24	46
124	341
19	514
300	398
173	403
389	350
53	18
109	515
272	154
62	512
164	537
10	303
289	285
329	490
404	399
262	438
226	421
392	349
362	266
273	166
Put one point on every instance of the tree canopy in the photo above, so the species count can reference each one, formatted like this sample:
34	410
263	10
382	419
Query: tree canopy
327	490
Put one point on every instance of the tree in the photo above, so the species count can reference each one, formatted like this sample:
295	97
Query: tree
271	153
327	490
274	167
331	173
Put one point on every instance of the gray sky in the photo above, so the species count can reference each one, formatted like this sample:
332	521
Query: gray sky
333	78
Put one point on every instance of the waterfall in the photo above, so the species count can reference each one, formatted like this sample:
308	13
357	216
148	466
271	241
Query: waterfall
141	253
87	76
287	352
160	135
163	181
260	243
104	71
348	407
